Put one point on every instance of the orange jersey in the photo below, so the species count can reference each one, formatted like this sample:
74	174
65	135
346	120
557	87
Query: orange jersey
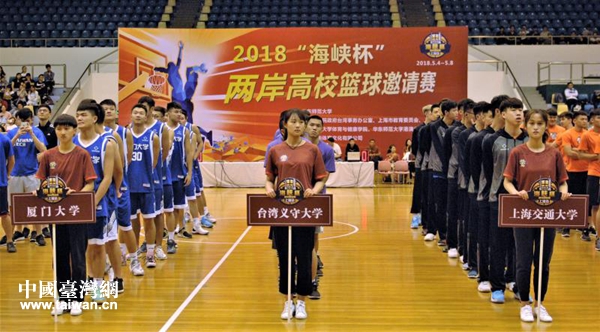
590	143
553	133
559	146
572	138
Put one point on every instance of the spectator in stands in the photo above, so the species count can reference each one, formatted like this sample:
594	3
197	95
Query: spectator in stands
16	82
49	79
4	114
337	150
23	71
22	92
594	38
586	33
512	33
11	123
7	96
501	36
33	98
571	95
523	34
28	80
351	147
40	87
374	154
545	36
574	39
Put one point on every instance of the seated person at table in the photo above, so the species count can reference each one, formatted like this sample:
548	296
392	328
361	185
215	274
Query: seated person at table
374	154
337	150
351	147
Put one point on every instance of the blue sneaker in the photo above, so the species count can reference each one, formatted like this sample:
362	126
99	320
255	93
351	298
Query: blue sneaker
97	296
415	222
472	274
206	223
497	297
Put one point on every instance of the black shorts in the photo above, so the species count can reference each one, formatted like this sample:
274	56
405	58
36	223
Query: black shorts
3	201
593	187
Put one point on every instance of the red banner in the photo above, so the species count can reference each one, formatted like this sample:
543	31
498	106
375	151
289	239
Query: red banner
365	82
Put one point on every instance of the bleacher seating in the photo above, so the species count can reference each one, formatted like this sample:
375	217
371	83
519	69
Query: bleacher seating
299	13
62	23
485	17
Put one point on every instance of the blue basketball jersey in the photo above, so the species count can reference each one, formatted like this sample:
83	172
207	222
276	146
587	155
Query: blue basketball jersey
178	165
140	170
112	190
97	148
123	133
166	169
157	129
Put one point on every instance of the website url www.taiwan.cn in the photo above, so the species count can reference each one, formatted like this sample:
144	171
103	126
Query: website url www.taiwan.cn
67	305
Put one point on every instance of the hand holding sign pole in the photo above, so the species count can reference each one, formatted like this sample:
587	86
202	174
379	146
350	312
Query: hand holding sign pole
53	203
544	207
289	208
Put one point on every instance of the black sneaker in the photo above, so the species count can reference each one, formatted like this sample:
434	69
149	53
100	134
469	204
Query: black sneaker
315	295
39	240
18	236
46	232
592	230
25	233
441	243
33	236
320	272
185	234
585	235
566	232
120	288
3	241
319	262
10	247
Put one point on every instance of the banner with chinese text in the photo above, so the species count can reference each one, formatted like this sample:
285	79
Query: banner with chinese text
365	82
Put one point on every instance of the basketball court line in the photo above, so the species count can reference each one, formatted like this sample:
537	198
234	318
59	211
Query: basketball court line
354	231
203	282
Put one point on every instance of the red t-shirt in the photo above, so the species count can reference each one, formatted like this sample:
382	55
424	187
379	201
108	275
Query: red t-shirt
304	163
75	167
590	143
525	167
572	137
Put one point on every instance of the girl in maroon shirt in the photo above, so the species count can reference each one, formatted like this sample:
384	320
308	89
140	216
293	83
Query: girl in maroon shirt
527	164
298	159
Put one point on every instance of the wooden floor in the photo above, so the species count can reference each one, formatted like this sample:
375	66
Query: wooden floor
379	276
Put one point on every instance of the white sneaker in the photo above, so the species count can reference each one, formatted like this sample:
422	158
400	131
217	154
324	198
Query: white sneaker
288	310
60	309
301	310
429	237
527	314
452	253
543	314
484	287
462	259
197	229
211	218
159	253
510	286
76	308
136	267
150	262
465	266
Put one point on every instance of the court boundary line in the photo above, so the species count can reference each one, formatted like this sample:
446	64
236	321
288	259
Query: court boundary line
356	229
196	290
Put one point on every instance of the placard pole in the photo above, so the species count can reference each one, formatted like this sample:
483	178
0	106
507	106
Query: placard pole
289	298
540	269
56	301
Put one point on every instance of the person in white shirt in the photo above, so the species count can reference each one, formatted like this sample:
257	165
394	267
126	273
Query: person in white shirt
33	98
571	96
337	151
